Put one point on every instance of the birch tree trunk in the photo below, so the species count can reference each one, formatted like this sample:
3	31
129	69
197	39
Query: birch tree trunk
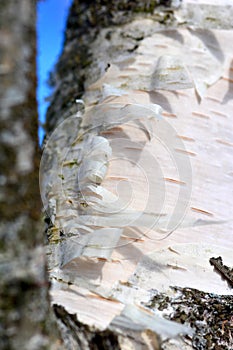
26	320
136	176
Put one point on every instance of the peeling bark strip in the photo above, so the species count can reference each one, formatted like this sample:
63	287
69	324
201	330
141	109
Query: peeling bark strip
77	66
135	194
25	315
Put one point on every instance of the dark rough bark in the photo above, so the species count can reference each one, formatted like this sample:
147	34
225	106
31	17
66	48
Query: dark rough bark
209	315
24	305
80	336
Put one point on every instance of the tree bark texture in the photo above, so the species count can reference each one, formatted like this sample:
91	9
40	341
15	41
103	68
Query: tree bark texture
138	196
25	316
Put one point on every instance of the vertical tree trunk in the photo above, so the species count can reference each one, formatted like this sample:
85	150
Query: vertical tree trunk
107	270
25	315
122	252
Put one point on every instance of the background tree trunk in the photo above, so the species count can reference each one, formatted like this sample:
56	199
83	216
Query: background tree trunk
25	314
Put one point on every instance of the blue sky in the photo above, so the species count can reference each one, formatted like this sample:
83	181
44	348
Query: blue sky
51	21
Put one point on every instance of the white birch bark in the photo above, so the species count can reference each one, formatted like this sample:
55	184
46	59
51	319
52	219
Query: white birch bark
139	181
